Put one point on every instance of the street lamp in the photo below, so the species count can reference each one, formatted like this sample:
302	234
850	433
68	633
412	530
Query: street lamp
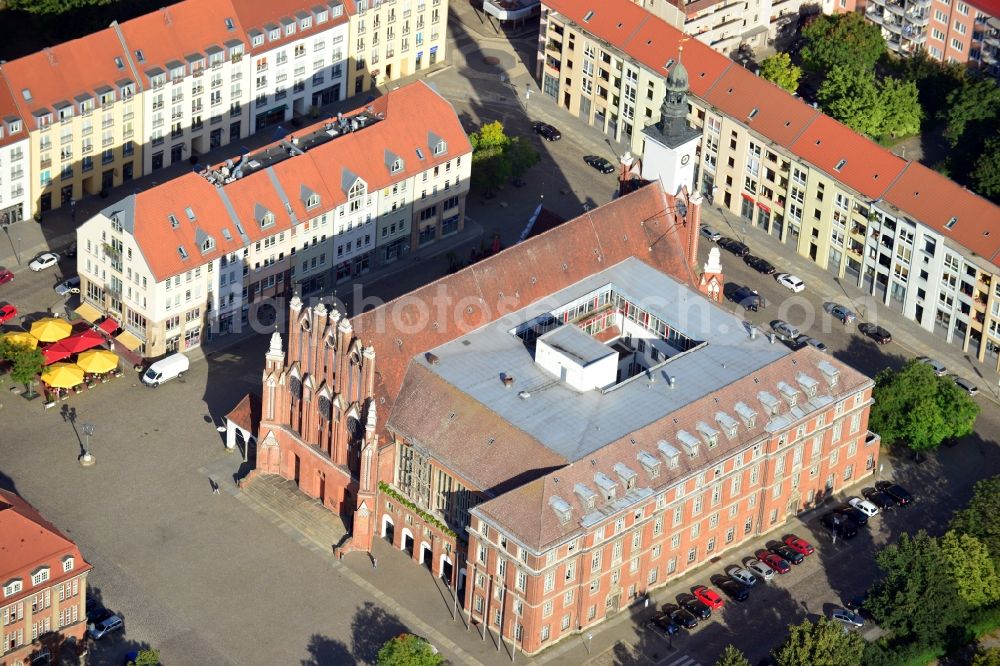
86	459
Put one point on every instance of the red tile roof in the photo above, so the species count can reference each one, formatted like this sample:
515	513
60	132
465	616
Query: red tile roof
8	112
255	14
926	195
28	541
321	169
526	511
991	7
60	73
640	224
870	168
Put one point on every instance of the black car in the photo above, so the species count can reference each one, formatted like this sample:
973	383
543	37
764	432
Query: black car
758	264
898	494
684	618
789	554
860	517
662	622
839	525
696	608
599	163
546	131
879	499
734	246
744	296
876	333
733	590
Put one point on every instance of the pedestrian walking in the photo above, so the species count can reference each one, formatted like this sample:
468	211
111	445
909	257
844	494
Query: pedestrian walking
374	563
215	486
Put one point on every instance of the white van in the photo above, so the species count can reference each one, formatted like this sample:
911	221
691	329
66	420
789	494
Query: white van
166	369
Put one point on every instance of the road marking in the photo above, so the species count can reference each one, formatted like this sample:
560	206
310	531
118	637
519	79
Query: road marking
680	660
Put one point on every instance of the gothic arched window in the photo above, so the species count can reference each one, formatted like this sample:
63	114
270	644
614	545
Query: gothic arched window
325	407
355	428
295	385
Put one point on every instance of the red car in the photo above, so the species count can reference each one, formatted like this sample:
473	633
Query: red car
776	562
799	545
5	276
708	596
7	312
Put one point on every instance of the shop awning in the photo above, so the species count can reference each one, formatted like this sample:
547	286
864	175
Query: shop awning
129	341
109	326
88	312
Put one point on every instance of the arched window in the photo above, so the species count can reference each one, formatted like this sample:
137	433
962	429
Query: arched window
354	427
295	385
325	407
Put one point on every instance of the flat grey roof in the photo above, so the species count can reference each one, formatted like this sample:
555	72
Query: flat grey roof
575	424
573	342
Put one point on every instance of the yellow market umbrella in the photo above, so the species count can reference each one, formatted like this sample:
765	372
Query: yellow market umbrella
97	361
21	338
63	375
51	329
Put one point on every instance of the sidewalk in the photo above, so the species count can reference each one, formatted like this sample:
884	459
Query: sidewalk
906	334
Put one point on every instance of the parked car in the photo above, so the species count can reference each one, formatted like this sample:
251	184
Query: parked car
761	570
43	261
695	607
787	554
735	591
744	296
708	596
789	281
70	251
684	618
876	333
898	494
805	341
776	562
98	630
546	131
710	233
799	544
937	366
758	264
734	246
661	622
599	163
7	312
859	517
5	275
70	286
741	575
839	525
840	312
878	498
848	618
784	330
966	385
864	506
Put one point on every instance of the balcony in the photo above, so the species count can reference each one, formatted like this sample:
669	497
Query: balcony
872	439
45	163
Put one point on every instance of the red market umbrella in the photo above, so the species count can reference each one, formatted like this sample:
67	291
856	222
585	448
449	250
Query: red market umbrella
80	342
53	353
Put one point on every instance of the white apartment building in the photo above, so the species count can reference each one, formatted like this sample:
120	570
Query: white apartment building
190	59
298	53
15	168
206	253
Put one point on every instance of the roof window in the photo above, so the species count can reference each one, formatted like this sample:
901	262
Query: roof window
951	223
754	112
230	26
189	213
26	94
173	221
181	251
588	16
840	165
119	63
140	56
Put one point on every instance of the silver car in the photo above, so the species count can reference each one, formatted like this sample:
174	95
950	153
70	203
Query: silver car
848	618
741	575
101	629
70	286
761	570
784	330
937	366
966	385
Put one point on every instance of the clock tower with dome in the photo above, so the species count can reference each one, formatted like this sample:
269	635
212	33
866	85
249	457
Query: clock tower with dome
670	144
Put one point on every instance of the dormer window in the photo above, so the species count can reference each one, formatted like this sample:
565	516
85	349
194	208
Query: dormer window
627	475
771	404
728	423
671	454
746	413
275	35
40	576
789	393
808	384
607	485
440	148
312	201
397	166
587	496
689	442
208	245
830	372
650	463
266	220
708	433
13	587
562	508
68	563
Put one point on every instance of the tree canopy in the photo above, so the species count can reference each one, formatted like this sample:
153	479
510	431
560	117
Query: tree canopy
842	39
979	517
901	111
986	173
147	657
27	362
968	563
496	157
408	650
732	656
916	407
52	6
781	71
850	95
988	657
976	100
821	643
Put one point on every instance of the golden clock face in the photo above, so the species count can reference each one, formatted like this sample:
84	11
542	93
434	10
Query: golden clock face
685	159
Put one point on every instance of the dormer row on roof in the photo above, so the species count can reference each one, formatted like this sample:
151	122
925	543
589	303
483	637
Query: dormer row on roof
288	26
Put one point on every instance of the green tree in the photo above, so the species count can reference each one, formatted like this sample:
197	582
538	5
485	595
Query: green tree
26	362
990	657
51	6
821	643
979	517
850	95
986	173
147	657
732	656
408	650
918	408
912	576
842	40
496	157
781	71
521	155
935	80
976	101
900	103
968	562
